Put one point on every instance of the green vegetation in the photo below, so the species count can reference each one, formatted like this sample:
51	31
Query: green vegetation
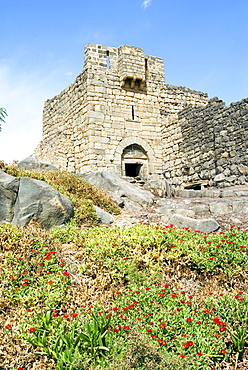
146	297
3	114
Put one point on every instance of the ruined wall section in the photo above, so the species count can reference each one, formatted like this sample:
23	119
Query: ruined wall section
63	125
173	99
212	149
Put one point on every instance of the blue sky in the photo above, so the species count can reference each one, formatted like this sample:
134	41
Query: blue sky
203	44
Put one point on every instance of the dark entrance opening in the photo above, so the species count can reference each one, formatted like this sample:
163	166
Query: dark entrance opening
132	169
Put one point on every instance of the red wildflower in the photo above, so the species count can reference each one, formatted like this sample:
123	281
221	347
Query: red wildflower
8	326
32	330
182	356
189	319
125	327
223	351
200	353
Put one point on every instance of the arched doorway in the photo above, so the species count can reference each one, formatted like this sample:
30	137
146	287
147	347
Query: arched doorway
134	161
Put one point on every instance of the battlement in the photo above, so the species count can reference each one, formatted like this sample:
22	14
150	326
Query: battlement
133	67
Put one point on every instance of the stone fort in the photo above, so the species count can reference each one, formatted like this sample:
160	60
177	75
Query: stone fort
121	115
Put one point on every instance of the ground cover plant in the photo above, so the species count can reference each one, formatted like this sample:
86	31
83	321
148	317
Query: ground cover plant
145	297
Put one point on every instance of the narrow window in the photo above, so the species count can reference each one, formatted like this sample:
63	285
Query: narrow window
146	69
132	112
146	65
107	59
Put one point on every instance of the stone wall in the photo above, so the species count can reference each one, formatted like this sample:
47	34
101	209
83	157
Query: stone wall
118	101
209	146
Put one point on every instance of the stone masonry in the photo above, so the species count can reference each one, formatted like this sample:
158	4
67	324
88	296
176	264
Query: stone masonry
120	115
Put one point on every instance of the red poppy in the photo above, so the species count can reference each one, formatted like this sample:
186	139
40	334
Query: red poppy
32	330
8	326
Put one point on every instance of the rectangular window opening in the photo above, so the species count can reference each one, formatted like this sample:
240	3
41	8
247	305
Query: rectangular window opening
132	112
107	59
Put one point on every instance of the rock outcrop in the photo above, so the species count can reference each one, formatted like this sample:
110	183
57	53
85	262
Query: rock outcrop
25	199
204	225
31	163
123	193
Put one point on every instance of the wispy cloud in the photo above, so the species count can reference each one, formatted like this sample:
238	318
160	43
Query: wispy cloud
23	95
146	3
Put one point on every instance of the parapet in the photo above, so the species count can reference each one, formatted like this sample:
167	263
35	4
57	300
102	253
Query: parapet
132	65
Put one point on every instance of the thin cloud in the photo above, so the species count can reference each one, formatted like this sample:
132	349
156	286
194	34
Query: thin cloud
23	95
146	3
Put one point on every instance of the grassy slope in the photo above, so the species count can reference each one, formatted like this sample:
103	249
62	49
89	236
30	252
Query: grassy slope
75	268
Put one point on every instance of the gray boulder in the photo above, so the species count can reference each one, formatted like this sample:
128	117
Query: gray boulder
119	188
31	163
205	225
104	217
9	186
39	201
159	187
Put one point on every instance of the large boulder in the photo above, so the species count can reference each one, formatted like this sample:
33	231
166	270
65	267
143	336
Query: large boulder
39	201
31	163
9	186
204	225
159	187
122	191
